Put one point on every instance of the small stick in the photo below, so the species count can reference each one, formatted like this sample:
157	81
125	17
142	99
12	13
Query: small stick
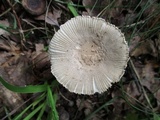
19	25
137	77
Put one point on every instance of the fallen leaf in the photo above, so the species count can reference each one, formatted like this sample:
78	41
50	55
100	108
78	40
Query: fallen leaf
112	11
148	80
145	47
39	48
134	43
41	66
10	99
51	17
92	11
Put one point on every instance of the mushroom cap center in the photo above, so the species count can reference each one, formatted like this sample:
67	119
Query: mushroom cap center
91	53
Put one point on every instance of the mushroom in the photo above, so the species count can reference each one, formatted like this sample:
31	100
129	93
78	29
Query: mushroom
34	7
88	54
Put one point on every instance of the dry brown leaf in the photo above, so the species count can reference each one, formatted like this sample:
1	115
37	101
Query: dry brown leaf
115	13
145	47
148	76
15	68
39	48
4	45
89	7
14	63
51	17
4	56
94	7
18	69
148	81
41	65
10	99
134	43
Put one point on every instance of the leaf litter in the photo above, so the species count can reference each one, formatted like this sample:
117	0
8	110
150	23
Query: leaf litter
31	66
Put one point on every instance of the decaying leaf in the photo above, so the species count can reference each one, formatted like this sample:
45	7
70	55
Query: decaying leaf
15	68
134	43
147	73
39	48
10	99
110	10
144	47
89	5
21	67
41	66
51	17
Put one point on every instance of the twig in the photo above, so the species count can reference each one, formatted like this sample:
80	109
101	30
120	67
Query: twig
134	24
46	14
23	40
137	77
5	12
34	27
101	13
65	98
16	109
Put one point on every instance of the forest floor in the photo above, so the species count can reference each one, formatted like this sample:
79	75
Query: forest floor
24	38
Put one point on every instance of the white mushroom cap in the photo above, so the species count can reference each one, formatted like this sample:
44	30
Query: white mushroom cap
88	54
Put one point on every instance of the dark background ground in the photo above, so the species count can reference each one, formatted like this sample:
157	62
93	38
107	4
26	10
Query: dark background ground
24	39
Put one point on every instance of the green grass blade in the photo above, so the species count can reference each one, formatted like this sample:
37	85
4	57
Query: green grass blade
17	1
14	22
54	84
4	28
7	113
34	112
65	3
72	8
39	99
41	112
156	117
22	113
51	99
138	18
27	89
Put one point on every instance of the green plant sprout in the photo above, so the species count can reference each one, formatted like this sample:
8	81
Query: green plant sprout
46	99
